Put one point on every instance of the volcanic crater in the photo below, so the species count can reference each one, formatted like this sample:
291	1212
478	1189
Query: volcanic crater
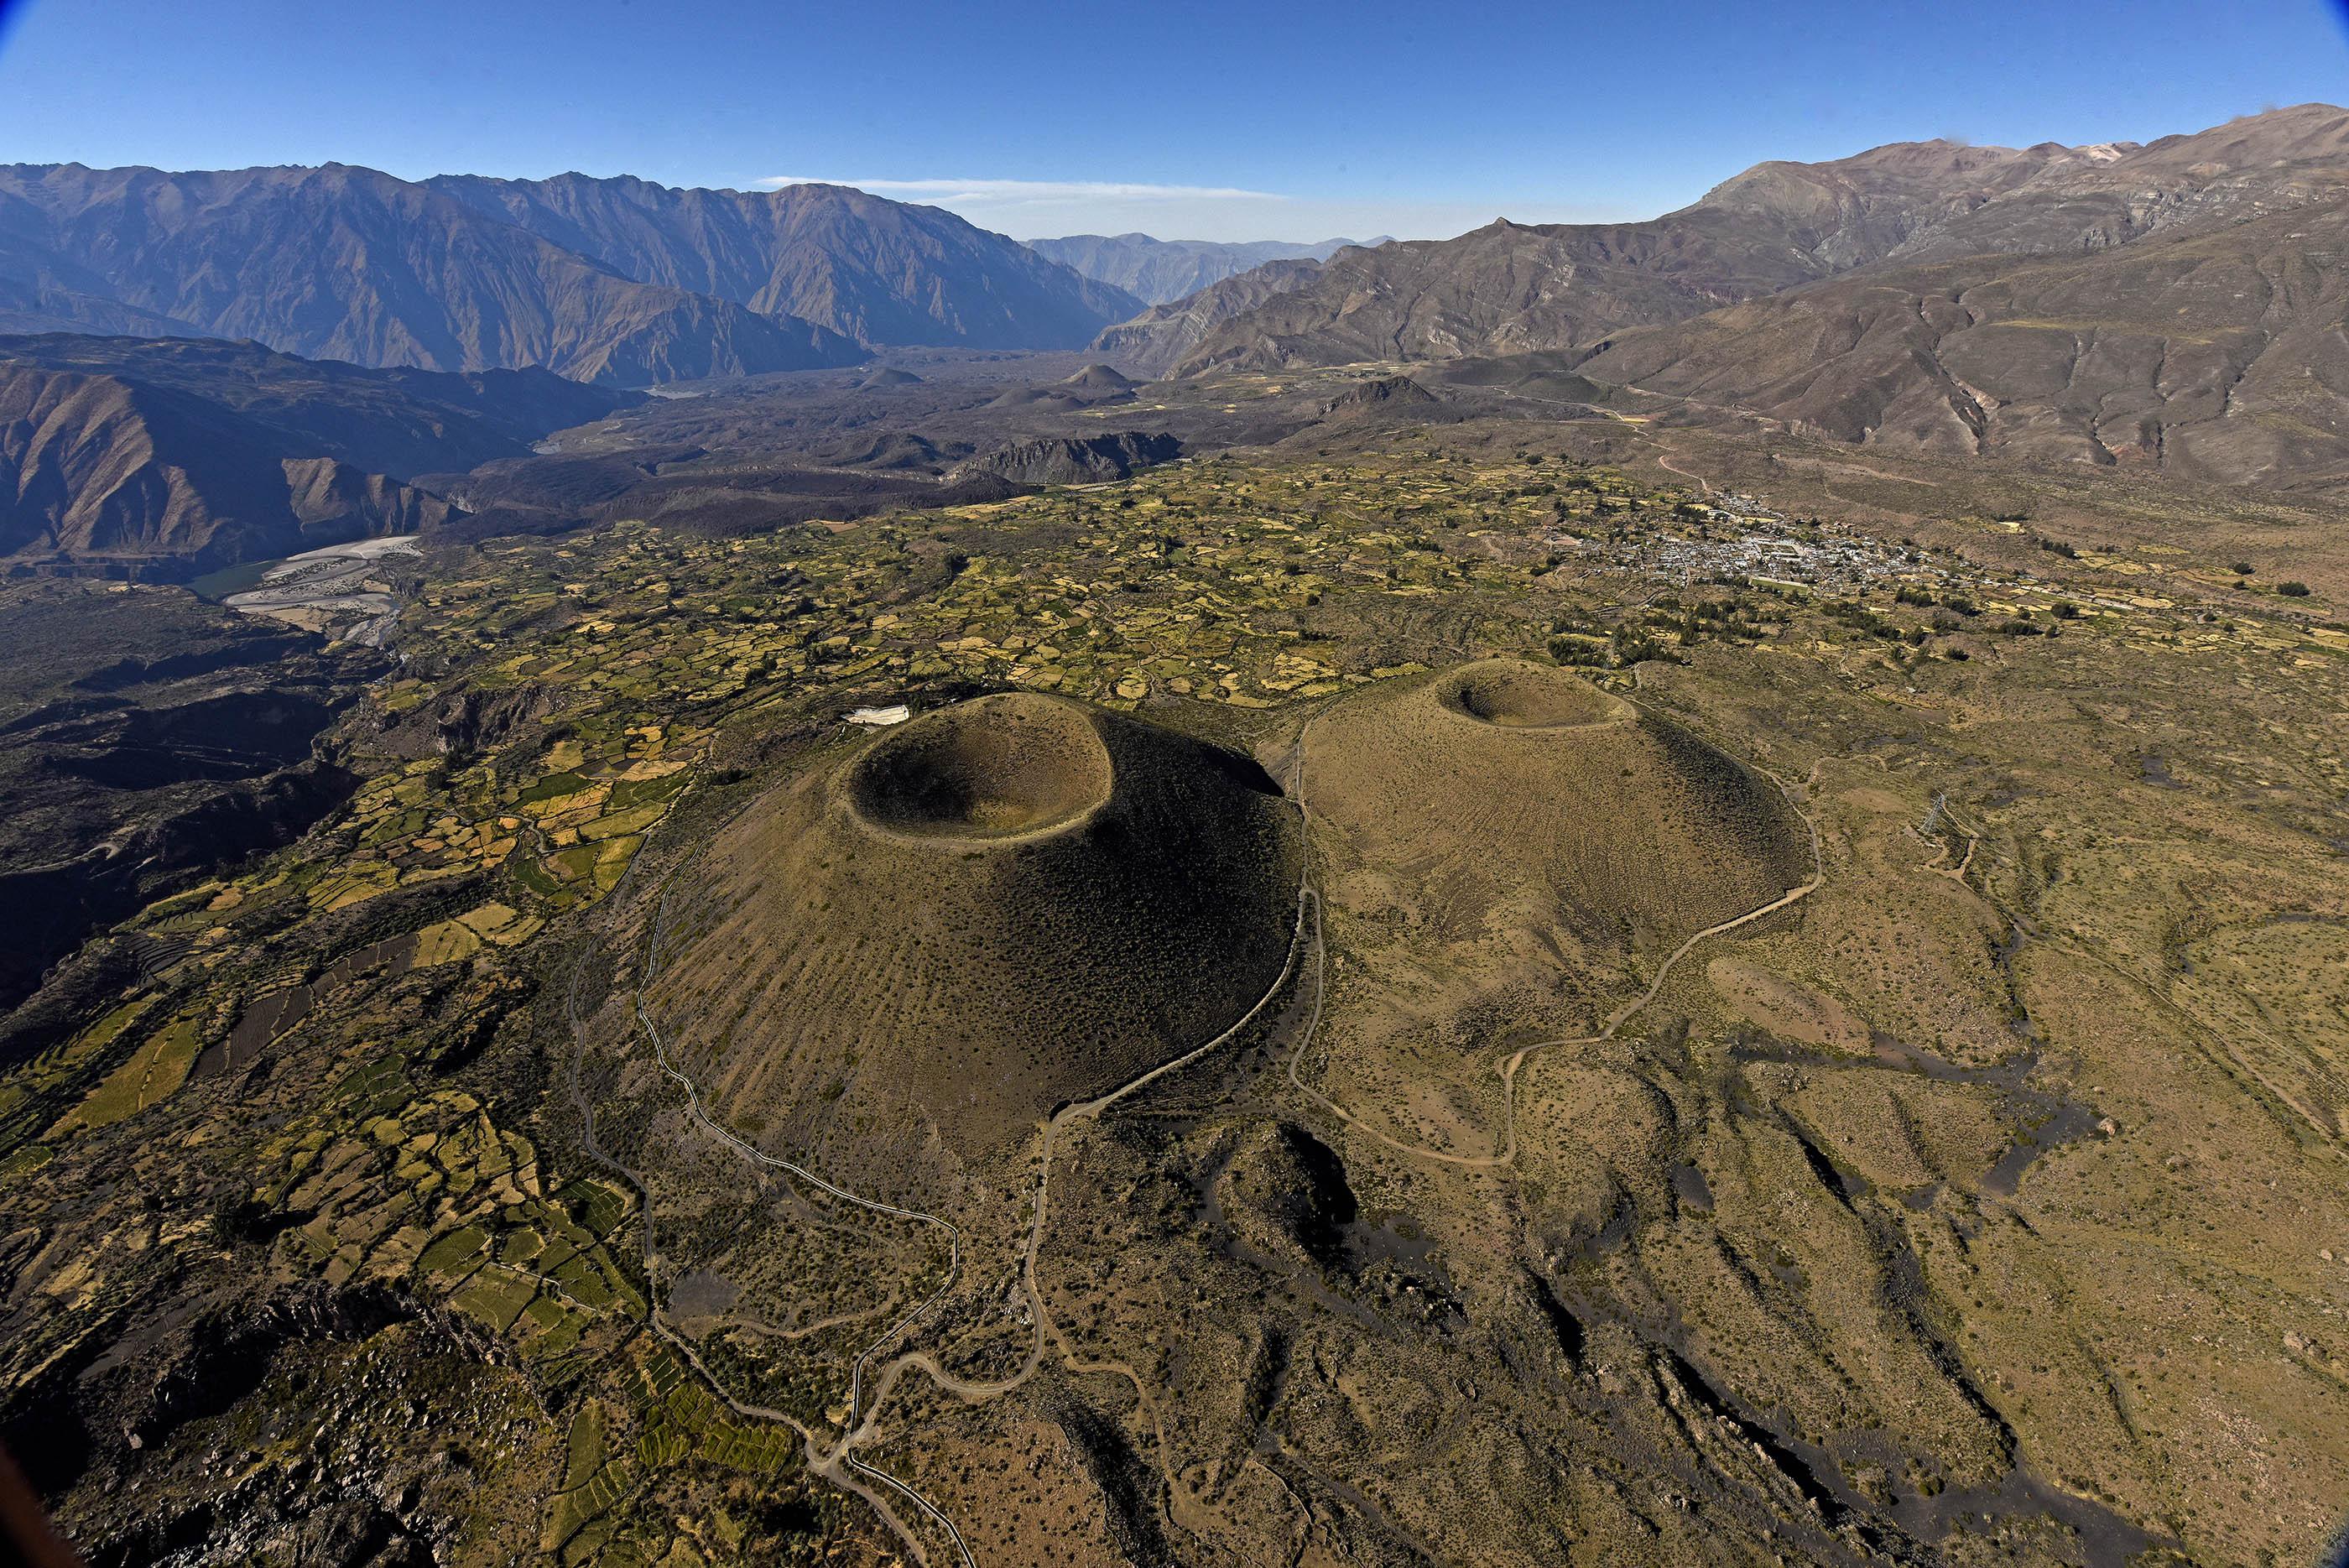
1513	693
983	913
997	767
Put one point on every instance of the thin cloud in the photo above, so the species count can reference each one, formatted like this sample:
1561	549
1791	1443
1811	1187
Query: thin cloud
1018	192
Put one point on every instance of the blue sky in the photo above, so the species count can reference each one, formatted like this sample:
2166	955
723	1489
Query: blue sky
1291	120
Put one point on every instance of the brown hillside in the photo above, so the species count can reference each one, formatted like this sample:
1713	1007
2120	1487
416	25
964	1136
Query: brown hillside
94	470
1552	797
1514	288
995	909
1162	337
2217	355
1506	853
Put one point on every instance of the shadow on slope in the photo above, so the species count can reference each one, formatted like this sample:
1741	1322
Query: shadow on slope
995	909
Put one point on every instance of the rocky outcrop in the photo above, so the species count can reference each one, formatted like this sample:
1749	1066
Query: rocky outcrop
146	739
1388	397
1072	460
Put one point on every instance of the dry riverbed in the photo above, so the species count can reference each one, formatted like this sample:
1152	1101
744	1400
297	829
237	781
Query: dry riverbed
343	591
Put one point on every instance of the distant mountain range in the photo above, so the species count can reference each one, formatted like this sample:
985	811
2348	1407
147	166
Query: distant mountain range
1159	271
878	272
2178	306
2179	303
191	454
1512	287
613	281
1164	336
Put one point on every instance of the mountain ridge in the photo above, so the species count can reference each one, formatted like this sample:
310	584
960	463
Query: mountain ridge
343	261
621	282
875	270
172	457
1160	272
1154	342
1513	288
108	472
2216	354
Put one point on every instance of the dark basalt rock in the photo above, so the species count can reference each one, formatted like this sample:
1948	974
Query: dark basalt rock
1074	460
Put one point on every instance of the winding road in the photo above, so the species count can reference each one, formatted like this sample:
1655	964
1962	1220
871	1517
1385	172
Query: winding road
840	1464
1665	461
